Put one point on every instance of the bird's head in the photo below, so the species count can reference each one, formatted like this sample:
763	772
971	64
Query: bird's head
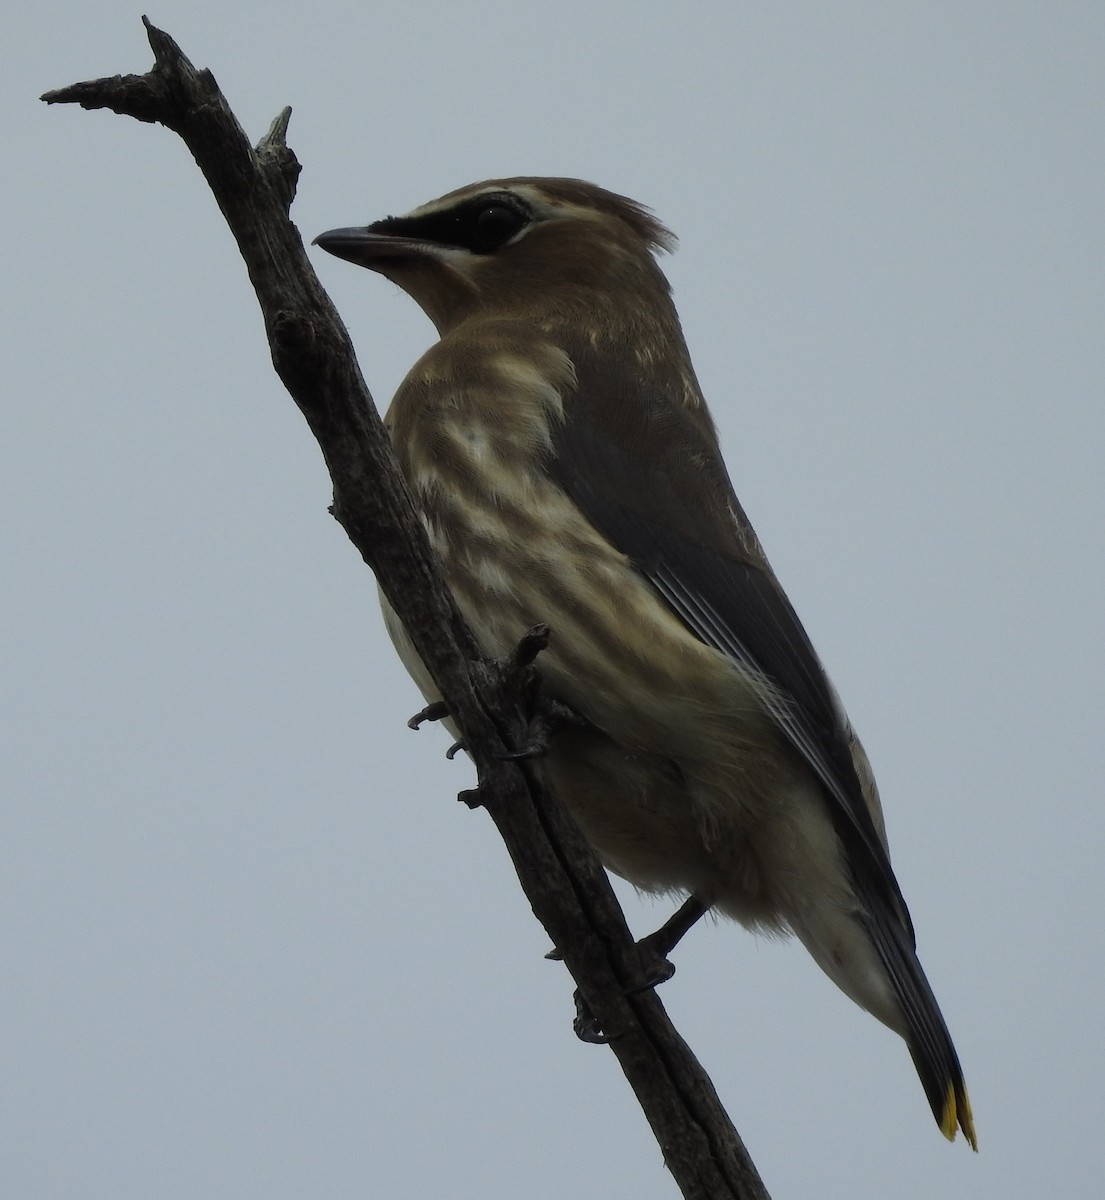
548	249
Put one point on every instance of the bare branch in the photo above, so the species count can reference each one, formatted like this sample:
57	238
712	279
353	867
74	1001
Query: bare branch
492	703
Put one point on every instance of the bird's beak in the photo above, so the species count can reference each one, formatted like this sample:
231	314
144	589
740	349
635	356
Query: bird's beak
360	245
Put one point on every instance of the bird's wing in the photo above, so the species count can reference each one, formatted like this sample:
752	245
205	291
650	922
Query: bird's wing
646	472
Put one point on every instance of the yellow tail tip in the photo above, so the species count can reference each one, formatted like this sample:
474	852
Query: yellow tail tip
957	1115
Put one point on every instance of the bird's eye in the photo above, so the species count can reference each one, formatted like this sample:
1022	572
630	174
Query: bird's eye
492	225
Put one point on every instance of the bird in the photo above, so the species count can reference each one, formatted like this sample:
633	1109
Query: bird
565	465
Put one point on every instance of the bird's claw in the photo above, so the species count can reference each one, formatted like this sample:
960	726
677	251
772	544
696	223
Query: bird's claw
436	711
584	1025
657	971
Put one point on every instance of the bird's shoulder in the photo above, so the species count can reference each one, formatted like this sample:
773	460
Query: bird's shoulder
495	375
637	434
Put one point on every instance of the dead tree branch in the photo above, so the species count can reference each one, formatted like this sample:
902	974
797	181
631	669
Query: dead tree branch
491	704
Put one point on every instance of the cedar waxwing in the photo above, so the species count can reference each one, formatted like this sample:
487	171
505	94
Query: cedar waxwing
568	471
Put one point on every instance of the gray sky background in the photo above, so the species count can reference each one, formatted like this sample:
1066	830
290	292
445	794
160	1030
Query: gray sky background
251	945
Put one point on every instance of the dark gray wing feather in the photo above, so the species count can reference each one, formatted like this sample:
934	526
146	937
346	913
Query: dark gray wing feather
646	472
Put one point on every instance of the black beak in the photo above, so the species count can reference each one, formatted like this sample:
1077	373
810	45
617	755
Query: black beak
360	245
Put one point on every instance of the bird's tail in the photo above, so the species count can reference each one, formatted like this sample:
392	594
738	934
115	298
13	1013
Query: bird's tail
925	1033
870	955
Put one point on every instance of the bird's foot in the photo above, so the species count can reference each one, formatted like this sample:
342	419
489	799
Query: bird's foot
655	969
549	715
587	1026
660	944
518	680
516	674
437	711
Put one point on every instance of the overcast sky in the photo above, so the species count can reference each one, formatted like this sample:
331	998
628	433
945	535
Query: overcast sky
251	946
